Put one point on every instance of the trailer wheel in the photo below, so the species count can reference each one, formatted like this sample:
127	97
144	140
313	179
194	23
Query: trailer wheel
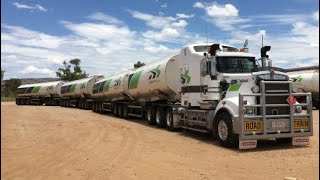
151	115
115	109
125	111
17	101
225	134
169	120
161	117
120	110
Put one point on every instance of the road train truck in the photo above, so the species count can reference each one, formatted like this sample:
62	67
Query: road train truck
307	82
78	93
48	93
223	91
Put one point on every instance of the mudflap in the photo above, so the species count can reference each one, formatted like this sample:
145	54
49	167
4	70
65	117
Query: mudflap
300	141
247	144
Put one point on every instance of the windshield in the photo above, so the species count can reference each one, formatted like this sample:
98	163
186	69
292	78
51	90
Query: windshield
235	64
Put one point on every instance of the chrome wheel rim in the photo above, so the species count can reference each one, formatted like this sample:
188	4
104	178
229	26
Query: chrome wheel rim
222	130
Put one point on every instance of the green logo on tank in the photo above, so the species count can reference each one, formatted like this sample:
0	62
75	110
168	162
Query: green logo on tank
117	82
134	80
106	85
155	72
36	89
185	78
49	88
298	78
234	87
73	88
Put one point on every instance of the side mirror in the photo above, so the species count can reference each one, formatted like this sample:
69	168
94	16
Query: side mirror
203	67
213	69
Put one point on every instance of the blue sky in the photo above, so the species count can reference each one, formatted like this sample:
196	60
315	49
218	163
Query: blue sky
110	36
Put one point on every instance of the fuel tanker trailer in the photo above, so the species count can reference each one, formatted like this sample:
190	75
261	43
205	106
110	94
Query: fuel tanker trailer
307	82
39	93
108	92
133	92
78	93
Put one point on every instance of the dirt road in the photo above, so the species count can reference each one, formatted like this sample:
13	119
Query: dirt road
39	142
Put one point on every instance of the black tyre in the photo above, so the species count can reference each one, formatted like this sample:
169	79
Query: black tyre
161	117
17	101
151	115
125	111
169	120
115	109
120	110
224	131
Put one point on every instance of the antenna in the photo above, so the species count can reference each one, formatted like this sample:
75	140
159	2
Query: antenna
206	33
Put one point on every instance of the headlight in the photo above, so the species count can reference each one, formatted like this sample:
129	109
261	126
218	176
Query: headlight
255	89
247	110
294	89
298	109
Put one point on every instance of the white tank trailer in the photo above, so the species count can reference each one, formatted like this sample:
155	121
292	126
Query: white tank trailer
307	82
125	92
78	93
39	93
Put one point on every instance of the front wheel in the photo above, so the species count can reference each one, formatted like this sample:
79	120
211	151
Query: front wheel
225	134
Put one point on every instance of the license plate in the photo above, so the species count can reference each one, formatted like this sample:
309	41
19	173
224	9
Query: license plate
301	123
278	124
253	126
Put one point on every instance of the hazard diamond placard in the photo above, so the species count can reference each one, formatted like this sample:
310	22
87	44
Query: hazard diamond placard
291	100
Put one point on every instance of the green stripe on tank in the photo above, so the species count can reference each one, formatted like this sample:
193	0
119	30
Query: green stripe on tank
135	79
234	87
36	89
107	85
73	88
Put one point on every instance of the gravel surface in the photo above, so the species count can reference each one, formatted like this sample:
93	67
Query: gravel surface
41	142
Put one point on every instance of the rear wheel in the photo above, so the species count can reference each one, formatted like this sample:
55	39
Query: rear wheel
225	134
161	117
151	115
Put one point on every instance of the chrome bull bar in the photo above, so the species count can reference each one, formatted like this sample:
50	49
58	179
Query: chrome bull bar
266	119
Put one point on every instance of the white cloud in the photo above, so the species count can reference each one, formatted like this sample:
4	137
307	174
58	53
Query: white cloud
180	24
164	35
227	10
104	18
181	15
31	7
198	5
41	8
23	36
34	70
315	16
164	5
223	16
22	6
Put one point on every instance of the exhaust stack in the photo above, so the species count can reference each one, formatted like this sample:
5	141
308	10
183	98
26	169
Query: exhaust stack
264	55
